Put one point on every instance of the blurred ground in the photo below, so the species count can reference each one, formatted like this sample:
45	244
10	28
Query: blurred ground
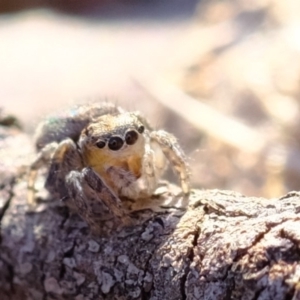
239	58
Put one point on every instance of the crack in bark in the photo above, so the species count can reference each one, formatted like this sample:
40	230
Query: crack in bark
258	293
291	295
220	210
66	215
11	274
290	195
67	254
256	241
42	279
11	184
269	228
260	236
287	236
147	295
190	257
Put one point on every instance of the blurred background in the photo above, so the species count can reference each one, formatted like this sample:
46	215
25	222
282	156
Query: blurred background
223	76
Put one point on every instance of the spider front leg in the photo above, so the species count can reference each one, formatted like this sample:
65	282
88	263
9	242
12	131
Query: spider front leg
172	150
62	158
43	158
65	159
95	202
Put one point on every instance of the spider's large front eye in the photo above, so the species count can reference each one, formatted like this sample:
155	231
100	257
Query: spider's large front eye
131	137
115	143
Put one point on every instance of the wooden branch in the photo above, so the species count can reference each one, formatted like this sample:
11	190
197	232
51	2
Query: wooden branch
223	246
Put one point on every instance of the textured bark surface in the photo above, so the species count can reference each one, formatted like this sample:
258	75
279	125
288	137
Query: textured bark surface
224	246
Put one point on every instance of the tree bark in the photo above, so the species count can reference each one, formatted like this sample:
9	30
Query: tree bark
222	246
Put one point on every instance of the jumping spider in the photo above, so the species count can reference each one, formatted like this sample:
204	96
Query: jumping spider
100	153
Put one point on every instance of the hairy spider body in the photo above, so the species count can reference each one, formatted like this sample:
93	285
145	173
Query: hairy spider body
101	153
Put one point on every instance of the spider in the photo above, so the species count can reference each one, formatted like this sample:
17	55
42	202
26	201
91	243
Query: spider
99	153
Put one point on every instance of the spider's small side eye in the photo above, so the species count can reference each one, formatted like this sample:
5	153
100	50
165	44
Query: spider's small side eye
115	143
131	137
141	129
100	144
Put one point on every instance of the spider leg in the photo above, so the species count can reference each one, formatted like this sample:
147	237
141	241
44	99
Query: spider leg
151	174
62	158
43	158
66	158
143	120
95	202
172	150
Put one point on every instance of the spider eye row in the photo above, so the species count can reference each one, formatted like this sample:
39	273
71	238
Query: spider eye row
115	142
